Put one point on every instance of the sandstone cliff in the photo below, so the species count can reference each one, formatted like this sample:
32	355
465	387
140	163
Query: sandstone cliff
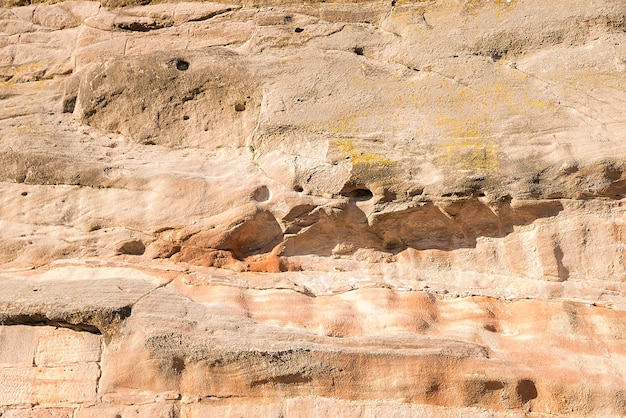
272	208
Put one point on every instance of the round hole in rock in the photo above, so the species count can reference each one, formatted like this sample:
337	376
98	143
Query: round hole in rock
262	194
360	194
185	117
298	30
526	390
298	188
358	50
240	107
24	193
182	65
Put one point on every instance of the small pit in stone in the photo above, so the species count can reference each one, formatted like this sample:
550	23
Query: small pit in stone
298	189
182	65
358	194
496	56
262	194
526	390
433	388
69	104
298	30
24	193
492	385
178	365
358	50
490	328
240	107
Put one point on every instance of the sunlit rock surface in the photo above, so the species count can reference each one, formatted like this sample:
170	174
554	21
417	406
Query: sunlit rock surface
282	209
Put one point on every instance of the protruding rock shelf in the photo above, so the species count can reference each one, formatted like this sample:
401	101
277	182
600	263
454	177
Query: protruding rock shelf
282	209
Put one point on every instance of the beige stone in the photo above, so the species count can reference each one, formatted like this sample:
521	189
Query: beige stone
61	347
141	411
39	413
18	345
52	385
283	209
232	410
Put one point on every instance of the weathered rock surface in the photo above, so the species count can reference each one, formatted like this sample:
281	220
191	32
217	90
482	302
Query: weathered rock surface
317	209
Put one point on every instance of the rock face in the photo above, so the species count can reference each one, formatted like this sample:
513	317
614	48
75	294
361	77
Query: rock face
313	209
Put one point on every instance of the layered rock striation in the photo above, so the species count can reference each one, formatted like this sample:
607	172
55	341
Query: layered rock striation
313	209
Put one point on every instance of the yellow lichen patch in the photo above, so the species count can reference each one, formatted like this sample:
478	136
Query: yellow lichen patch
23	73
371	168
470	127
540	104
472	6
470	145
345	124
367	167
345	146
372	160
475	154
508	90
536	103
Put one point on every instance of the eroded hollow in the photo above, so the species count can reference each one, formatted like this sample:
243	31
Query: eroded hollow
181	65
43	320
262	194
526	390
131	247
69	104
493	385
358	193
178	365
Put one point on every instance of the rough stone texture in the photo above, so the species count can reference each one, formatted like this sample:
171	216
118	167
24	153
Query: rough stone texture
50	366
283	209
